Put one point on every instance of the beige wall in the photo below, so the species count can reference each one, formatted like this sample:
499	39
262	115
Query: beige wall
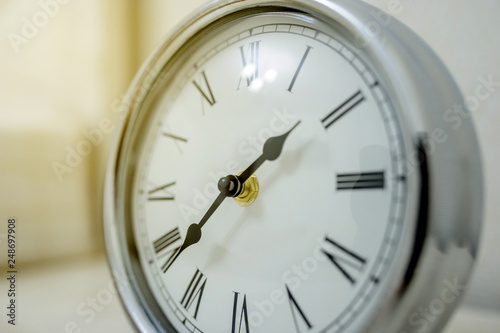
157	17
64	66
61	66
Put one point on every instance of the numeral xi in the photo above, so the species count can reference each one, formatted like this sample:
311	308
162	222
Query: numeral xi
176	139
206	93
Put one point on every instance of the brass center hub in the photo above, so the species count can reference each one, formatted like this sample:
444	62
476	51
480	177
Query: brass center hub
249	193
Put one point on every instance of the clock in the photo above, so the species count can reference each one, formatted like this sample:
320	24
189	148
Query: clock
285	166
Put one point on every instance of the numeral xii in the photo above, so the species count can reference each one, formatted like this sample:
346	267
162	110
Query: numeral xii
250	60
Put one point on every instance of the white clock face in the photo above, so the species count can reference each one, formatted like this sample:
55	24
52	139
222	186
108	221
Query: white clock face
313	250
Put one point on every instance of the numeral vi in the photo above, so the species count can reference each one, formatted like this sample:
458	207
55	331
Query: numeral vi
240	314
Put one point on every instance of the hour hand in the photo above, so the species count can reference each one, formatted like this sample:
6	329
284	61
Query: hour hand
270	152
231	186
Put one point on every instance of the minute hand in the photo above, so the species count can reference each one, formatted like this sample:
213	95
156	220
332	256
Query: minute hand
271	151
193	234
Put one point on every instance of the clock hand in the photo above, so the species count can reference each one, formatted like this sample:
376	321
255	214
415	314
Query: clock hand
270	152
227	186
232	186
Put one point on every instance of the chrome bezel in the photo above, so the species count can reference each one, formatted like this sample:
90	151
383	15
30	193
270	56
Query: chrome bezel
444	242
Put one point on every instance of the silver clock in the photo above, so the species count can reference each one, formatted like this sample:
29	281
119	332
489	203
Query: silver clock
283	167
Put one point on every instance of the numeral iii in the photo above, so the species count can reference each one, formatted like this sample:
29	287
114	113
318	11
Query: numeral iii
361	181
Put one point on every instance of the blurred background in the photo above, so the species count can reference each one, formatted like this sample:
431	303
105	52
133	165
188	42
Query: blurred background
65	64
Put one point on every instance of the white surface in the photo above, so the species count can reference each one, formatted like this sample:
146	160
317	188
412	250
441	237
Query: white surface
53	296
57	292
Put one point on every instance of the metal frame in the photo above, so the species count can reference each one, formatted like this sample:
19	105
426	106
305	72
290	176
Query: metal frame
445	237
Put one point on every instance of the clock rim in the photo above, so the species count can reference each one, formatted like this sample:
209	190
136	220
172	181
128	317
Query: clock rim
445	243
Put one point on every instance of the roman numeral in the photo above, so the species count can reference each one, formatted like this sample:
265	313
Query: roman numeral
166	240
205	92
153	196
240	307
177	139
169	242
194	292
250	60
343	109
346	261
361	181
295	308
304	57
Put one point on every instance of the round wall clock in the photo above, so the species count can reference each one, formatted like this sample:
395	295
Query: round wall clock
284	166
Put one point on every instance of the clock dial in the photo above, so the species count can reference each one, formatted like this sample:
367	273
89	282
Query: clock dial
284	98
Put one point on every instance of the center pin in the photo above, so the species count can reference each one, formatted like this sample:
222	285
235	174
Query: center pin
249	193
